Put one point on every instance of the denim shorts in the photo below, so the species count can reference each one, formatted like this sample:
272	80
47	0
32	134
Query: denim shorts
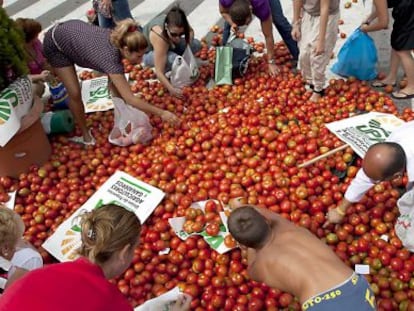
354	294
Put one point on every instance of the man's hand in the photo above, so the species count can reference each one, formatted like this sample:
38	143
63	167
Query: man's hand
182	304
296	32
319	48
169	117
234	28
334	216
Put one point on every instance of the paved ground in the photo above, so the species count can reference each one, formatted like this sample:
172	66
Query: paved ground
202	15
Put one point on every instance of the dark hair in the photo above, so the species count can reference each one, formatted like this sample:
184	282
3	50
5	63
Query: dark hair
31	28
176	17
397	162
106	230
248	226
240	11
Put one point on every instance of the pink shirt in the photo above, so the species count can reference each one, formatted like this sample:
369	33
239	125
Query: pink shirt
36	61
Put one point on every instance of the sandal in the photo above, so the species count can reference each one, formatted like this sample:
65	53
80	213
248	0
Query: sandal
382	84
321	92
80	140
404	95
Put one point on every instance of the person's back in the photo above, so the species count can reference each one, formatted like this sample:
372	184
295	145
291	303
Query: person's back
296	261
292	259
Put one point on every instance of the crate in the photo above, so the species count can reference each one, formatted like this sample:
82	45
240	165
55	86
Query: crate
28	147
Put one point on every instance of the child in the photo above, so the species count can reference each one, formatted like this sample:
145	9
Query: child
22	256
37	61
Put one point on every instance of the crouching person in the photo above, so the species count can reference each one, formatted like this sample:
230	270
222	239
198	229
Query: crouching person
290	258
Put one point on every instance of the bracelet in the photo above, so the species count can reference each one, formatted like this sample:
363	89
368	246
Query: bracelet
340	212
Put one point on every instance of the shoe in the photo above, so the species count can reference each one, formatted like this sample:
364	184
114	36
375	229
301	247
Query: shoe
80	140
404	95
381	84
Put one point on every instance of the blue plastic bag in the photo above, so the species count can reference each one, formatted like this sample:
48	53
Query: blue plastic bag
357	57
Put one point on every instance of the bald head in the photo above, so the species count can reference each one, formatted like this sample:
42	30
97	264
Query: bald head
383	160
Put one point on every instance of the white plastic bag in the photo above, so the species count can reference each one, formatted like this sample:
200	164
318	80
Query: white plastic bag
131	125
404	227
184	70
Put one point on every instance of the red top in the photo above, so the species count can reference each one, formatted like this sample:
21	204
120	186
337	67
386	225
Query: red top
70	286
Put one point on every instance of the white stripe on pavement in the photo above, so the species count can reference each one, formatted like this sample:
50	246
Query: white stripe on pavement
8	3
147	10
37	9
203	17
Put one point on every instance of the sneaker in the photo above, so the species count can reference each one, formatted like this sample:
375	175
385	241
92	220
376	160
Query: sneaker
80	140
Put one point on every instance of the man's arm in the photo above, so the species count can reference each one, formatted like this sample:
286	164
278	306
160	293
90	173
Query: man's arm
356	190
323	23
270	44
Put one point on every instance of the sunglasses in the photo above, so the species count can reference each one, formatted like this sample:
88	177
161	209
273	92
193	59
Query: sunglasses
174	34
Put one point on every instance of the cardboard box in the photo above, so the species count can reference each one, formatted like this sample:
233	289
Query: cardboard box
28	147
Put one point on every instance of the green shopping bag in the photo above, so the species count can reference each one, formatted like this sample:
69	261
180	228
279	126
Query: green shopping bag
224	65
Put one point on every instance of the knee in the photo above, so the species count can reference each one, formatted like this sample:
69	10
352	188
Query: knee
195	45
148	59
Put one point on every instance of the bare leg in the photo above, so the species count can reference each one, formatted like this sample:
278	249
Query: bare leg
391	77
68	76
407	62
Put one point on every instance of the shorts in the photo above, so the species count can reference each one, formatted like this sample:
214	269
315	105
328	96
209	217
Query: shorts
354	294
52	51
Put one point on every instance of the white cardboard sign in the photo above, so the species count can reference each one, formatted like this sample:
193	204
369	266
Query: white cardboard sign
215	242
95	95
121	189
15	103
362	131
161	302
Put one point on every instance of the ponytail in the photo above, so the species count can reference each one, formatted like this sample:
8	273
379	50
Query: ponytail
126	33
106	230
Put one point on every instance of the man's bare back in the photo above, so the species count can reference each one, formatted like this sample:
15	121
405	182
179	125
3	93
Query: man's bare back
296	261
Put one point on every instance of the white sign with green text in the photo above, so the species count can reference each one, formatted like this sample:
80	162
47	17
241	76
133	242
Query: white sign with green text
362	131
121	189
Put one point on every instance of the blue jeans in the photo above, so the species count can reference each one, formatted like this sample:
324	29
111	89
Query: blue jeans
148	57
282	25
120	11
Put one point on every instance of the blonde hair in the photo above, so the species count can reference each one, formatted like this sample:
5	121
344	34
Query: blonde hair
106	230
10	229
126	33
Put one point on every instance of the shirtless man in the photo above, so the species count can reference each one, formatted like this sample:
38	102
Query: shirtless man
292	259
